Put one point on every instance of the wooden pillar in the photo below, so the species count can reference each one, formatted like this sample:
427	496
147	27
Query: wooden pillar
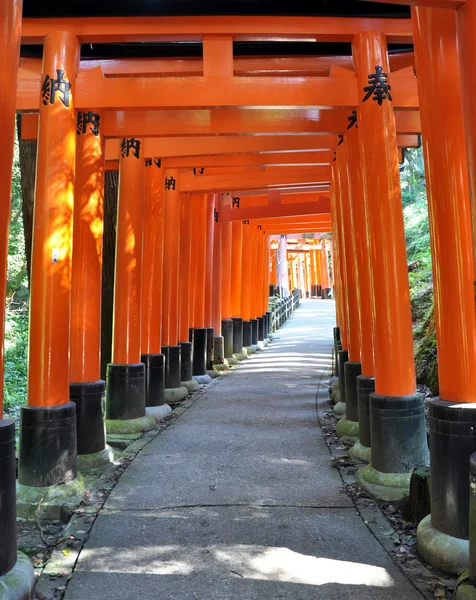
466	40
87	250
217	285
396	410
236	264
210	231
170	283
153	258
337	218
226	268
50	283
126	347
186	295
10	26
324	265
443	132
246	274
87	389
361	254
199	257
348	243
152	275
394	365
125	391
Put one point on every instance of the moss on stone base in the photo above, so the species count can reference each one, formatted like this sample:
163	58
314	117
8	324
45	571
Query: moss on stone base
360	452
18	583
345	428
97	459
53	498
175	395
389	487
145	423
192	385
445	552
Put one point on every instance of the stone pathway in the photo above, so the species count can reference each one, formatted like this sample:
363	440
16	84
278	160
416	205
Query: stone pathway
237	499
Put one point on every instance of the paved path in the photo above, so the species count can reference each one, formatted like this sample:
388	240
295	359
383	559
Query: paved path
237	499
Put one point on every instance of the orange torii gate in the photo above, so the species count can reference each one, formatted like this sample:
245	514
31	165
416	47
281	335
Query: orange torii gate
186	147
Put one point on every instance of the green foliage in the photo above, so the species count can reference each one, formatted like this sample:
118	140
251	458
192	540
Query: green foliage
417	233
17	302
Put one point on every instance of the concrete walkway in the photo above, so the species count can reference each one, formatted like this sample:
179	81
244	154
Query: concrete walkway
237	499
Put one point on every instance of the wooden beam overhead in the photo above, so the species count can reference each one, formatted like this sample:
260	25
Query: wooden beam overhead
193	28
227	183
220	121
234	145
269	212
451	4
125	93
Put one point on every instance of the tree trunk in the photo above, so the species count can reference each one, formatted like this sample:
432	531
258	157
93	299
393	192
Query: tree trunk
27	152
109	255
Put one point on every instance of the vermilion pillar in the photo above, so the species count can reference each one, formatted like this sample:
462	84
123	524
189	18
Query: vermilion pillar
396	411
364	291
466	40
324	266
170	283
185	292
10	29
217	286
210	232
86	388
152	272
350	330
246	283
125	385
198	332
48	422
283	270
348	240
226	262
452	418
236	262
349	425
340	256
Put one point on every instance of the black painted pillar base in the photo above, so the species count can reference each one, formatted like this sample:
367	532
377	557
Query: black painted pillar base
342	357
186	353
125	392
452	442
254	332
336	332
237	335
173	366
8	523
365	387
219	354
227	331
210	348
90	401
198	337
260	329
47	445
399	442
247	334
154	379
265	327
351	371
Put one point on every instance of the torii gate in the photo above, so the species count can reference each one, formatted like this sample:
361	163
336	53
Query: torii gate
182	135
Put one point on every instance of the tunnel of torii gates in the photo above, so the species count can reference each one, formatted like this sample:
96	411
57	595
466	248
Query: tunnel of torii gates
222	153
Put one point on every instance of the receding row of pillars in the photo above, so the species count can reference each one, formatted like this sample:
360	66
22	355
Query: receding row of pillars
190	292
374	341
